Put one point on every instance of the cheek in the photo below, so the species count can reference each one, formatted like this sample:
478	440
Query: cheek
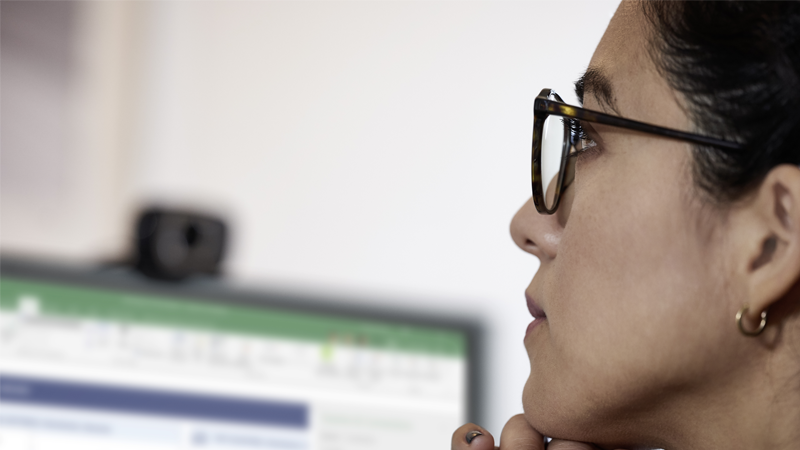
625	298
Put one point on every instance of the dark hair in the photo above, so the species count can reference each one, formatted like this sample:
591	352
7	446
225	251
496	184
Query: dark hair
737	64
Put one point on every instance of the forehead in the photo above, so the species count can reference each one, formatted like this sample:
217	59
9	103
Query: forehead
623	57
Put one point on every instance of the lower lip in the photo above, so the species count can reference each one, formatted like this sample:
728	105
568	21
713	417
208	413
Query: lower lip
533	325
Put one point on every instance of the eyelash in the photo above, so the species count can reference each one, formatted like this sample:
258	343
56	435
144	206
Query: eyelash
580	135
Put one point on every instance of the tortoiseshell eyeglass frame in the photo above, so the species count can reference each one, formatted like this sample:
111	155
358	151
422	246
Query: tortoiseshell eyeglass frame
545	106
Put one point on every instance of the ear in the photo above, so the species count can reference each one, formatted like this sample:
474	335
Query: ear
772	240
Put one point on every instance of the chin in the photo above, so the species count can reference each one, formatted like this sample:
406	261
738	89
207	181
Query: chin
564	411
542	410
551	409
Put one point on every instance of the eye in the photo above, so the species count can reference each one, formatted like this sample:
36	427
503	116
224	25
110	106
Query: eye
585	143
581	140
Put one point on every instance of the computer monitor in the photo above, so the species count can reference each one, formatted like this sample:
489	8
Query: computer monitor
105	359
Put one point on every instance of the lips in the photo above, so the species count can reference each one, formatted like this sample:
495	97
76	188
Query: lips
537	312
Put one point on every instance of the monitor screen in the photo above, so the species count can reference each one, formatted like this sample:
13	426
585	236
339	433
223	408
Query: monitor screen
98	362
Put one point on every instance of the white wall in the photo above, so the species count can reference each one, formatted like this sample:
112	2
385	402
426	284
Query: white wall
372	149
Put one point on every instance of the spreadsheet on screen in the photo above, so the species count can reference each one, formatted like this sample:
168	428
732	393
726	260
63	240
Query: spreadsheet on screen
90	366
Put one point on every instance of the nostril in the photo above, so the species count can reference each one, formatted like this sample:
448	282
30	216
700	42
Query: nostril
531	247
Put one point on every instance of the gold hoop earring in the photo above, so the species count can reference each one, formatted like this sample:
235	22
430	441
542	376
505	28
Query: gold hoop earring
761	325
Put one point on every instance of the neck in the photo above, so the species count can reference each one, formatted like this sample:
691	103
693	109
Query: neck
755	406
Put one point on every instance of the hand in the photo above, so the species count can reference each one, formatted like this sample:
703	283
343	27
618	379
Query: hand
516	435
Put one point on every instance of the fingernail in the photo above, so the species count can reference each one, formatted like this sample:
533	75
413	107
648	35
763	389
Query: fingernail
472	435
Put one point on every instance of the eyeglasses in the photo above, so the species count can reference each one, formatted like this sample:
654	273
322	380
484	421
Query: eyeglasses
558	137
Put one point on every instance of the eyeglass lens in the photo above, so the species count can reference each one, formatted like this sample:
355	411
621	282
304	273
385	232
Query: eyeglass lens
554	133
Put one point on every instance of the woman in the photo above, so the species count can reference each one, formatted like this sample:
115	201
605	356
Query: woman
667	304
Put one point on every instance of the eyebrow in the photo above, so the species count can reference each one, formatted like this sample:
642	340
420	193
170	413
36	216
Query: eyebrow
597	83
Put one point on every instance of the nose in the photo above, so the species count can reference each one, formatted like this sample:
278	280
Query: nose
537	234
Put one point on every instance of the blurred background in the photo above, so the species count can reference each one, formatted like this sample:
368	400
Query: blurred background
372	151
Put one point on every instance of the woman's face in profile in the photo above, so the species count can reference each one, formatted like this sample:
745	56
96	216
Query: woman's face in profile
626	277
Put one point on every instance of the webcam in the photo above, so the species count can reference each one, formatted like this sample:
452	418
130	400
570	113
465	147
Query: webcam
173	245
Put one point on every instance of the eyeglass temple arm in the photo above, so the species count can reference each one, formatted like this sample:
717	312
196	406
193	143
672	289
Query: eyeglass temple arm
562	109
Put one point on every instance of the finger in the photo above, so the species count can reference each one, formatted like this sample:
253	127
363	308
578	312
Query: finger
482	441
560	444
519	435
